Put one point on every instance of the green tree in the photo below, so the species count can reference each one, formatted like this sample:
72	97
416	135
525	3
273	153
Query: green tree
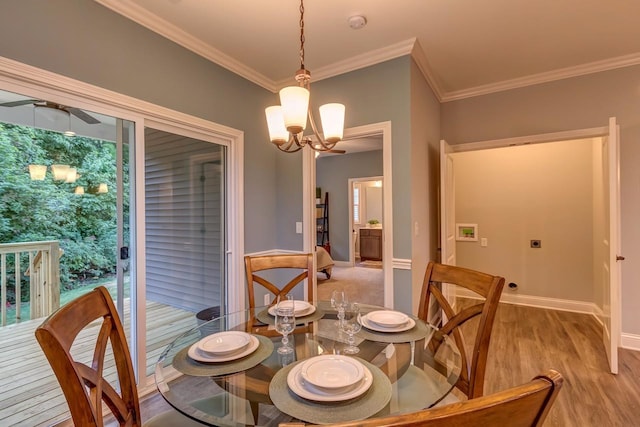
30	210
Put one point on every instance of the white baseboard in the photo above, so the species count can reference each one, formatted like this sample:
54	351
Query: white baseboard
540	302
630	342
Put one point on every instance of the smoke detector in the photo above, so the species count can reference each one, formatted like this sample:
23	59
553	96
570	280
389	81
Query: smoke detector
356	22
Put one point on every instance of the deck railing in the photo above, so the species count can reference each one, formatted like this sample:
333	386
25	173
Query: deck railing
43	271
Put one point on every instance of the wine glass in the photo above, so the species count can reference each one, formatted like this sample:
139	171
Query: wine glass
351	325
285	323
339	301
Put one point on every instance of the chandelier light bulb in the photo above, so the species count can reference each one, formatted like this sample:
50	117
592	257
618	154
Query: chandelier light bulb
295	106
278	134
332	117
288	121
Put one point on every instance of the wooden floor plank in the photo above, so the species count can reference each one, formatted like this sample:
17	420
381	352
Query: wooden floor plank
29	392
527	341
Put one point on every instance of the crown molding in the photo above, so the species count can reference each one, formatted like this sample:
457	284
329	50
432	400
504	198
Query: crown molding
534	79
141	16
411	47
418	55
357	62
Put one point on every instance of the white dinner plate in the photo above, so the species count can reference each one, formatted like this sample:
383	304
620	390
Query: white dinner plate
364	321
198	355
223	343
304	310
299	386
387	318
332	371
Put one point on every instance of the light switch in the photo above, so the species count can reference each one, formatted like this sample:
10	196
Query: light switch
298	228
483	242
416	229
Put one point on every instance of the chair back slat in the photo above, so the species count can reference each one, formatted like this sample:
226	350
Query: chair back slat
258	264
84	386
486	286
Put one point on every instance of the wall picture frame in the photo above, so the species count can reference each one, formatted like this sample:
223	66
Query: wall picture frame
467	232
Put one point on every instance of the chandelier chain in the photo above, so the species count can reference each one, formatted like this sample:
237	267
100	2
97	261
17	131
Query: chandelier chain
301	35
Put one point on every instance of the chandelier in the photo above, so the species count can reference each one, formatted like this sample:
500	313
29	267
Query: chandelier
287	121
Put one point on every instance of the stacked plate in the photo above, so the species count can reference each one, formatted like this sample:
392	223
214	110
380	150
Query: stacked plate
387	321
223	347
329	378
301	308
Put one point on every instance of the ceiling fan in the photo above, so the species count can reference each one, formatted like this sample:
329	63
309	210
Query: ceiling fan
46	104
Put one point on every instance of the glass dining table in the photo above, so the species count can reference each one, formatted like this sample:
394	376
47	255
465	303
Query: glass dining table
404	368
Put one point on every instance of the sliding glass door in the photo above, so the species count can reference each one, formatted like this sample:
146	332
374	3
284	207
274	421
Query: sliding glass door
185	239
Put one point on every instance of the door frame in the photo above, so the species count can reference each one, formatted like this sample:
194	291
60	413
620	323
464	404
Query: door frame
309	192
595	132
351	183
37	83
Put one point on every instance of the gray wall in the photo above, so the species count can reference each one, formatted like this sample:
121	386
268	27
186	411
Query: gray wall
377	94
576	103
332	175
380	93
425	167
85	41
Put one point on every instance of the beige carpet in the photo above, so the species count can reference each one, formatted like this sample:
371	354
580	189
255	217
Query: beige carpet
363	285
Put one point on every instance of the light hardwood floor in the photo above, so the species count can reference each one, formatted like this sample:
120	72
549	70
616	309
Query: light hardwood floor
527	341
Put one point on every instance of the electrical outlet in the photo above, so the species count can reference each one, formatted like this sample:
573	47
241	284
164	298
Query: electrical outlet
298	228
267	299
483	242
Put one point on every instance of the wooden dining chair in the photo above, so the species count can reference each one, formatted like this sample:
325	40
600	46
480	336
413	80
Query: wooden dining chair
526	405
263	270
84	385
486	287
256	267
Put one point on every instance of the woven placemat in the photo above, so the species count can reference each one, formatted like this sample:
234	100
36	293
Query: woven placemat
359	408
419	331
183	363
268	319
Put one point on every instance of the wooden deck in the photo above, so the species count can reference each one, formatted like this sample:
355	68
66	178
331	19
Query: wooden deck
29	392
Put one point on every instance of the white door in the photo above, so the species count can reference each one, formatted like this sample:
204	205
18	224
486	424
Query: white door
447	212
611	266
447	206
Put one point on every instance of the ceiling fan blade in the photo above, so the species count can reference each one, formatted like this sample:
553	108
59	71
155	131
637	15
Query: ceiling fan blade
89	119
18	103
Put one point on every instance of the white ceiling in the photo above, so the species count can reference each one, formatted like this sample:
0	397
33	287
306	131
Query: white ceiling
463	47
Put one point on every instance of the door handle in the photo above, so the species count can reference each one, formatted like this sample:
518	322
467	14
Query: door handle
619	258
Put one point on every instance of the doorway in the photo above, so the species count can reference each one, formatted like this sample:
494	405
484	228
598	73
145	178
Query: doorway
604	247
366	214
383	131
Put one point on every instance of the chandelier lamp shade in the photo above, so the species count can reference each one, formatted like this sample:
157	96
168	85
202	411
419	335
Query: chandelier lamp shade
287	121
37	172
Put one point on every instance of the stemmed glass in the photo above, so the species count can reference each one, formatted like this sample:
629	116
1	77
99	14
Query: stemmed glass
285	323
339	301
351	325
